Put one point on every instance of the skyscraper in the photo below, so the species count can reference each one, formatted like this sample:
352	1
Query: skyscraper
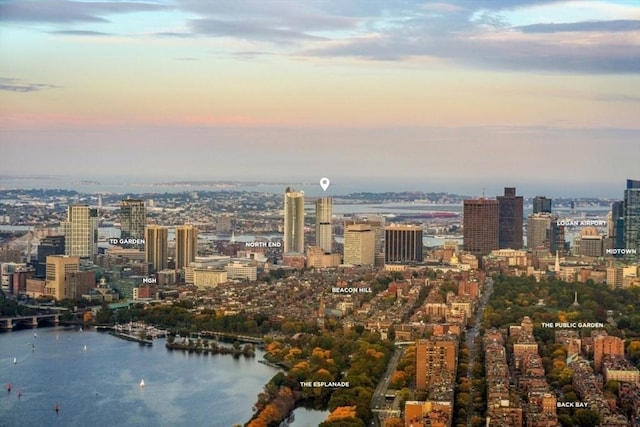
510	219
324	212
156	247
132	221
359	244
81	231
632	217
538	230
186	245
403	244
50	245
293	221
541	204
617	226
480	222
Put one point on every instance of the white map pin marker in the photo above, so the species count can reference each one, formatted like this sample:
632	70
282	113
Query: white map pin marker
324	183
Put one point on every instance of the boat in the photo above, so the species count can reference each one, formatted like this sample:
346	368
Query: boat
15	360
142	383
85	348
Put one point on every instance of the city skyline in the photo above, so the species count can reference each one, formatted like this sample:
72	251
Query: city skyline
437	92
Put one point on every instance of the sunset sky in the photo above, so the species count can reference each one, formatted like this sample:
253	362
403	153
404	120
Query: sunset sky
409	90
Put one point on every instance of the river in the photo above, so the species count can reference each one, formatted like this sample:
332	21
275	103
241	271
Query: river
100	386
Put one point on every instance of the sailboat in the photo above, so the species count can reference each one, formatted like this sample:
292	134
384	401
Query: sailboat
85	348
15	360
141	383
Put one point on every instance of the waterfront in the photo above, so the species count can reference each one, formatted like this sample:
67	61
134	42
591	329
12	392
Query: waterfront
99	386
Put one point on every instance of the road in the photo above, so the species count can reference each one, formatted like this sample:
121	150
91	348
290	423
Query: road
378	400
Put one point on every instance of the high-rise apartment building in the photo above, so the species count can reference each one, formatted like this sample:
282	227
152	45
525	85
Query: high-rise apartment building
324	212
132	221
541	204
510	219
632	218
58	276
480	222
81	231
538	230
359	244
186	245
156	247
403	244
435	360
293	221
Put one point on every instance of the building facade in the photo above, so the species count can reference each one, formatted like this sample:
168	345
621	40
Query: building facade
403	244
511	208
80	231
186	245
132	221
480	222
293	221
324	212
59	274
632	218
359	245
156	247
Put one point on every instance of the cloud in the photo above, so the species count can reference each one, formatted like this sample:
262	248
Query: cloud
249	30
69	11
79	33
16	85
608	26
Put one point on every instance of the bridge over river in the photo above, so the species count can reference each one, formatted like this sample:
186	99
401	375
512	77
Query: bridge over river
8	322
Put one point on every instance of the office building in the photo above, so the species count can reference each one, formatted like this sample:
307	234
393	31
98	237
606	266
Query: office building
186	245
538	230
403	244
50	245
80	231
480	223
541	204
359	245
377	225
58	275
632	219
156	247
617	224
132	221
510	218
590	243
324	212
557	241
435	362
293	221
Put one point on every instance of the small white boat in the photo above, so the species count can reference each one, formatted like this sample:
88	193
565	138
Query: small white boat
85	348
141	383
15	360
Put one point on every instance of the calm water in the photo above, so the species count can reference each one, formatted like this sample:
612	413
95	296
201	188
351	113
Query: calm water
100	386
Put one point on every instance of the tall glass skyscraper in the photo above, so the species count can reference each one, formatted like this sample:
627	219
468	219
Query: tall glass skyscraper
132	221
632	217
293	221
